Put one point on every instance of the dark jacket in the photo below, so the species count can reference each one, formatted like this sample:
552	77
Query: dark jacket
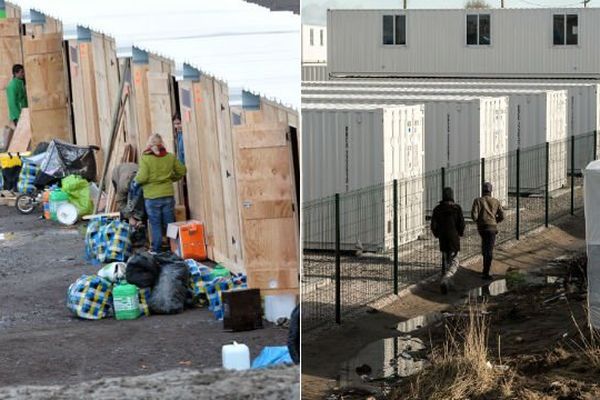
448	225
487	213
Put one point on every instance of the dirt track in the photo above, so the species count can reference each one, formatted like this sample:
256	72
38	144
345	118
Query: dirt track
42	344
182	384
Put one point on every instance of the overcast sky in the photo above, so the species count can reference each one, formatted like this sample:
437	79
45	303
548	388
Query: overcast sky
314	11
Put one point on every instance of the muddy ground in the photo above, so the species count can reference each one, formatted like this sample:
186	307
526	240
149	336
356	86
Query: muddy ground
181	384
41	343
324	355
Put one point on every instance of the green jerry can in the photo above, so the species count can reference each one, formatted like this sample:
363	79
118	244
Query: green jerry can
57	198
219	271
126	301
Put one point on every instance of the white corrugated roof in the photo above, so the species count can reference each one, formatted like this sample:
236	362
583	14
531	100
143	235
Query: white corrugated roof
246	45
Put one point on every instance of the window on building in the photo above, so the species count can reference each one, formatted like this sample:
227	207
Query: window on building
312	37
479	30
565	29
322	38
394	29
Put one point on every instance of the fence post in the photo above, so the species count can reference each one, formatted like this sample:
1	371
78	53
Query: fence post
573	175
547	187
518	216
443	179
482	173
338	272
595	144
395	236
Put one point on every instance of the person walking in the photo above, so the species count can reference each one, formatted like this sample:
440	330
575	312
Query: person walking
157	172
487	213
15	93
448	225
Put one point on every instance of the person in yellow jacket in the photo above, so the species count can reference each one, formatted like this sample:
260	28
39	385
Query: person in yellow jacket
157	172
16	94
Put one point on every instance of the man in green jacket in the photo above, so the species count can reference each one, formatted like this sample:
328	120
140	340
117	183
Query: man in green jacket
16	94
157	172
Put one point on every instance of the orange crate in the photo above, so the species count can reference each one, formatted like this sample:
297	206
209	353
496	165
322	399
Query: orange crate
187	239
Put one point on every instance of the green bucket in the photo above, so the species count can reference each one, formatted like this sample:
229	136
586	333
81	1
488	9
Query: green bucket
126	301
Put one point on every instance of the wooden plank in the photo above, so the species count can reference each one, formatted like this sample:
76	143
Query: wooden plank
11	54
22	135
104	100
266	191
142	107
204	107
159	99
195	183
268	209
46	88
13	11
231	208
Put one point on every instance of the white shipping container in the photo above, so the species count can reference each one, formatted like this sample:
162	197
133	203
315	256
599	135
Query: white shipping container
349	149
535	117
583	115
509	43
459	130
314	72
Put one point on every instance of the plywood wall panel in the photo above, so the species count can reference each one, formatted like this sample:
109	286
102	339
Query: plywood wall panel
10	54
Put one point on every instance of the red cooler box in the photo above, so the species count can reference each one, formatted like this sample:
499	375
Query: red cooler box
187	239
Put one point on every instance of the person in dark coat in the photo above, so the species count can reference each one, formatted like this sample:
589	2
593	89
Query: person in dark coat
448	225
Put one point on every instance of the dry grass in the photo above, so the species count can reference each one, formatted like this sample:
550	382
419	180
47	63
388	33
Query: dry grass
461	368
590	344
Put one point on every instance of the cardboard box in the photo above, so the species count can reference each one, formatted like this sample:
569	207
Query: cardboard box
187	239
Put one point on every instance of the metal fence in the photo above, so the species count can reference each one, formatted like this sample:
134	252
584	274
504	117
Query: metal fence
361	246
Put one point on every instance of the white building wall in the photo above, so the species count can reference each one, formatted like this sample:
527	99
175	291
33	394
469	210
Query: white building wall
459	130
314	50
521	44
355	150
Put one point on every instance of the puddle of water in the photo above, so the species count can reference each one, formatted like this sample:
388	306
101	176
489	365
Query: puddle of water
495	288
7	236
419	322
397	357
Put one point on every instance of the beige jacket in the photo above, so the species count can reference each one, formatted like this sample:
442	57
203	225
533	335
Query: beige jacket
487	213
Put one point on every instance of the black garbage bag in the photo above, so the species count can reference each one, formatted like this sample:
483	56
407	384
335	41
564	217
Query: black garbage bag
142	270
40	148
10	177
170	293
293	342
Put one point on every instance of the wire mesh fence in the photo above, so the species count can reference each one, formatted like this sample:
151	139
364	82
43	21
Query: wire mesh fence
363	245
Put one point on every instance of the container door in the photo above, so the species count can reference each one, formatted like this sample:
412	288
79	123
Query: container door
10	47
267	199
47	88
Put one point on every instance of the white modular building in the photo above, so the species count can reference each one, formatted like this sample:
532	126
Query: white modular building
535	117
460	131
358	151
583	101
539	42
314	72
314	44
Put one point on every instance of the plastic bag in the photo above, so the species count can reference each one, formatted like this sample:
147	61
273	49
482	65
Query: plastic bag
90	297
142	270
113	272
107	241
272	355
78	190
169	294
